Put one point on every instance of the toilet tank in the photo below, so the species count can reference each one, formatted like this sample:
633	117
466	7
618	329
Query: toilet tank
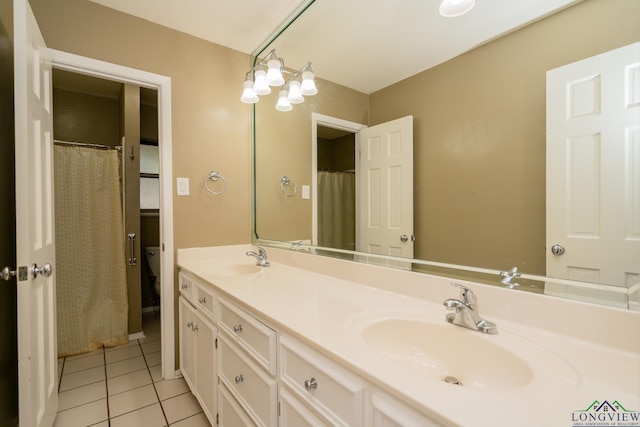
152	254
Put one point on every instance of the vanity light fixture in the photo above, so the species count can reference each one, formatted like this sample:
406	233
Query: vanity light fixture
293	89
453	8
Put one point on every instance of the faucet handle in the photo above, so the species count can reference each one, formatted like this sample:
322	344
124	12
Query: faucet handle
467	296
262	252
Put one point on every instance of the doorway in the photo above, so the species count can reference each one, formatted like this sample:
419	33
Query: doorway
162	84
341	136
106	134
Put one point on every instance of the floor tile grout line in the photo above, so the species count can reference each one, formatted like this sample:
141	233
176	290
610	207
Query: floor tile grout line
106	385
154	387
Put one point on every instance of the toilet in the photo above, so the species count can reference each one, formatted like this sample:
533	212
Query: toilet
153	259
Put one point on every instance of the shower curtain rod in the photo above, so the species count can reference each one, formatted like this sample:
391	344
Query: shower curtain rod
84	144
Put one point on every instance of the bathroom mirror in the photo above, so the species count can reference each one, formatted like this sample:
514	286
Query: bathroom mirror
477	94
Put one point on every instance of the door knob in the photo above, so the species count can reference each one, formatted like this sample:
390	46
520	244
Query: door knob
405	238
45	270
6	273
557	249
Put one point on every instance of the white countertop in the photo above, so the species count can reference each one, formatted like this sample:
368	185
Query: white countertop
592	352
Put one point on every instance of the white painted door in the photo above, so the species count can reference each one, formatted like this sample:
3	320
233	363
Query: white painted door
385	189
37	352
593	168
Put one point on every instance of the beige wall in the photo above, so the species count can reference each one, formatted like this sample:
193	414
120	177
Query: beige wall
479	129
210	125
85	118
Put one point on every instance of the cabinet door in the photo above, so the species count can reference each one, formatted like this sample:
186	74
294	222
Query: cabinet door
206	372
388	412
294	413
187	342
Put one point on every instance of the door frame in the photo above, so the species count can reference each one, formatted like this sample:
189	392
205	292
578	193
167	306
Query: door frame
105	70
334	123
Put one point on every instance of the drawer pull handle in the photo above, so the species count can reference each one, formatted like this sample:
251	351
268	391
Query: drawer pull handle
311	384
237	328
203	300
239	379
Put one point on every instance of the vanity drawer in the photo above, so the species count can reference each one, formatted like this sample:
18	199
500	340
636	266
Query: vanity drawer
255	390
185	285
332	390
253	336
204	300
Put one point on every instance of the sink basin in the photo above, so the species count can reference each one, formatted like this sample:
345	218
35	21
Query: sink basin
440	351
424	346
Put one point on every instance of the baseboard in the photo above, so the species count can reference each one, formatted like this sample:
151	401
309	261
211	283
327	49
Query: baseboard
150	309
137	336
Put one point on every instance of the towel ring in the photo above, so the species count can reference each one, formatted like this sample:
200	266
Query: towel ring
214	176
284	182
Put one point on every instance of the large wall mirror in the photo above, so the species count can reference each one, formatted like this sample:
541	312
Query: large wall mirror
475	88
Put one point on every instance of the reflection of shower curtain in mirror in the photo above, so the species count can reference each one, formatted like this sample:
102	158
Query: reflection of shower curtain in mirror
91	283
337	210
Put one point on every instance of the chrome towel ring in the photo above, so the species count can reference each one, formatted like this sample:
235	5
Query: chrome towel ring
215	176
286	182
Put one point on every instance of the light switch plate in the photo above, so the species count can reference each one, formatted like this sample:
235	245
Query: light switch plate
305	192
182	185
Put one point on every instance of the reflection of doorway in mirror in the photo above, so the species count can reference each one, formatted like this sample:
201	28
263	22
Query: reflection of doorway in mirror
334	168
593	177
375	208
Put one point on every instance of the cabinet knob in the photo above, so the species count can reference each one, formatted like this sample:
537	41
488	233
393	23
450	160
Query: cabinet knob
239	379
184	286
237	328
189	324
194	327
311	384
203	300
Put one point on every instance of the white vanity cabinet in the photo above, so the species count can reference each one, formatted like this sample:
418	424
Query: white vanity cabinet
198	343
247	366
245	372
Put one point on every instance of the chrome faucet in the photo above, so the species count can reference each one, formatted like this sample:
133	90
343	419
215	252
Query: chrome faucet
466	312
261	257
508	276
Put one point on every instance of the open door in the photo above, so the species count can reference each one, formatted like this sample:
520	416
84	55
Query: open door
35	248
593	170
385	190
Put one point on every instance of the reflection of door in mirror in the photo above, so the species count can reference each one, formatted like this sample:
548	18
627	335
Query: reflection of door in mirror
593	204
385	190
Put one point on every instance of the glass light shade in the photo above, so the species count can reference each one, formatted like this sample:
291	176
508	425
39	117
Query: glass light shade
453	8
308	86
260	86
295	95
249	95
283	102
274	75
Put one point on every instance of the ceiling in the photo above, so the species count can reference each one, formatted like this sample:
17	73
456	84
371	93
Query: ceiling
424	40
239	24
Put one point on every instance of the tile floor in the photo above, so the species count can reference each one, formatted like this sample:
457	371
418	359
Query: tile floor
123	387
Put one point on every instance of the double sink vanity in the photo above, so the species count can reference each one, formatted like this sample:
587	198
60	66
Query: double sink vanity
313	341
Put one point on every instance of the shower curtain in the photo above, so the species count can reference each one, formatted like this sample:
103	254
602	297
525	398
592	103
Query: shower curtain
91	283
337	210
